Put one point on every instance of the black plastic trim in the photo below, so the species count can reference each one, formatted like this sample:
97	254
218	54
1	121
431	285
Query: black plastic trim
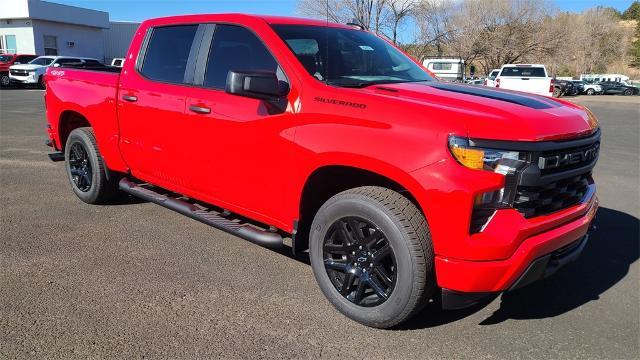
456	300
263	238
549	264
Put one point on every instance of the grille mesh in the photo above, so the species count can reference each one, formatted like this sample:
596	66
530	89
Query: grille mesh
540	200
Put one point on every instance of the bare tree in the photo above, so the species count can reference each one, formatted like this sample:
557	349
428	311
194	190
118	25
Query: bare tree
367	13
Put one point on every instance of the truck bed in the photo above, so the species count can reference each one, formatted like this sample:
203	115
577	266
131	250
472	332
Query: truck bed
91	92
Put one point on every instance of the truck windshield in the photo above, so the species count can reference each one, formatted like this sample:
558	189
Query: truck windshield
524	72
42	61
349	58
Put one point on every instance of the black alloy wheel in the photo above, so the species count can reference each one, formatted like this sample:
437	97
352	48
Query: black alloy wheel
628	92
359	261
80	167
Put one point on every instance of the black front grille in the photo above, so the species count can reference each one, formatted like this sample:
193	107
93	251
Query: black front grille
19	72
534	201
568	159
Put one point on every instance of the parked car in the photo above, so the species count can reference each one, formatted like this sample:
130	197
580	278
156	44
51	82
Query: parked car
8	60
117	62
586	88
531	78
277	134
33	72
448	69
565	88
490	81
476	82
618	88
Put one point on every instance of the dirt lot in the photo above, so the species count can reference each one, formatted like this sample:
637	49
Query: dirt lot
136	280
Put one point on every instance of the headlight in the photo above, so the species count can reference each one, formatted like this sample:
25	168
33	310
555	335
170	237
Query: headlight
500	161
593	120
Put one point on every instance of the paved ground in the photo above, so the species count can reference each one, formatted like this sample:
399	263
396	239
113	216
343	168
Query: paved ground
136	280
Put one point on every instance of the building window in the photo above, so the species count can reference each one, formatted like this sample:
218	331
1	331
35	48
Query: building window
8	44
50	45
442	66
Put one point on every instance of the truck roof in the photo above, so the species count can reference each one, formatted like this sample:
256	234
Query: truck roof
272	20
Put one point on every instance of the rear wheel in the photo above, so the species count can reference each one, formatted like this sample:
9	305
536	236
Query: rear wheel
372	256
591	92
628	92
85	168
5	80
557	92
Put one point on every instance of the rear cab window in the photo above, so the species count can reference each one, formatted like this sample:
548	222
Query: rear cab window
524	71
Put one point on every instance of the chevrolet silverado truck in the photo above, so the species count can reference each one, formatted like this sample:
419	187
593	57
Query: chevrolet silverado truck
403	189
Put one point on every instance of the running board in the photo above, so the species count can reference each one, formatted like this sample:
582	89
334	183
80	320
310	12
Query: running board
218	219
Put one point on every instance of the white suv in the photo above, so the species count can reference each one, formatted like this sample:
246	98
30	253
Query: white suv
33	72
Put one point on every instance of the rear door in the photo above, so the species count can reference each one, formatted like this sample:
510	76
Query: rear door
155	141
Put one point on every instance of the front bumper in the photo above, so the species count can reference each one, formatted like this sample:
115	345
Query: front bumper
510	273
29	79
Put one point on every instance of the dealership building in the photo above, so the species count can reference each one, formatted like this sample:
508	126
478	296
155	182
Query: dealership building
45	28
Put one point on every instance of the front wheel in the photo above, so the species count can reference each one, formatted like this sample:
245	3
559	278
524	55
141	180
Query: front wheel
41	83
85	168
591	92
372	256
5	80
628	92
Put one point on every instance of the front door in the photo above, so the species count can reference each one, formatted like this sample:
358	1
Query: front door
241	149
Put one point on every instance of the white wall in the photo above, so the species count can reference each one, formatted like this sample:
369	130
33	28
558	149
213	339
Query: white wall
23	32
88	40
43	10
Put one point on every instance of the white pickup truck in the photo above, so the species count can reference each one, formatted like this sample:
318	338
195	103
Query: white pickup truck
531	78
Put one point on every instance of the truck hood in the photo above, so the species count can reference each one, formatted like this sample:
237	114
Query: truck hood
496	114
26	67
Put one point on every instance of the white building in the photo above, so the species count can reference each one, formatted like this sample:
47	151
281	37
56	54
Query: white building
45	28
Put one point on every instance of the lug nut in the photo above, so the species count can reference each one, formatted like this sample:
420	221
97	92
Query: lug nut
360	248
370	264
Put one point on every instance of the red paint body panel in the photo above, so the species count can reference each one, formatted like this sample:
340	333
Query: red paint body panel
255	164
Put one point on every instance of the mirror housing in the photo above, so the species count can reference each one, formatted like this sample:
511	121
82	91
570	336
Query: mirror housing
263	85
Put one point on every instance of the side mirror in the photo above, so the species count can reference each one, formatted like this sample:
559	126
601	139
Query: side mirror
259	85
256	84
56	65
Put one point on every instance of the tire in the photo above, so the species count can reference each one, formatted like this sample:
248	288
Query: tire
89	183
41	83
398	223
628	92
5	80
591	92
557	93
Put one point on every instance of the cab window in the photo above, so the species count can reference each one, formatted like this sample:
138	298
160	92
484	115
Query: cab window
234	48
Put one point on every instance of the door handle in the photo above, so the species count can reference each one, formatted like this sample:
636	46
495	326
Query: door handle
200	109
129	98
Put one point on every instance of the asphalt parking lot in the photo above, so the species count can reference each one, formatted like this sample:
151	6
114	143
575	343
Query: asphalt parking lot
134	280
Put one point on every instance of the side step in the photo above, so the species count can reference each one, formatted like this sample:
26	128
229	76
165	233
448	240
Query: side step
217	219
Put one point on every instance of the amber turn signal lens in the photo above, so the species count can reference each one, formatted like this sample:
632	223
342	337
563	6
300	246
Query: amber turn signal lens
471	158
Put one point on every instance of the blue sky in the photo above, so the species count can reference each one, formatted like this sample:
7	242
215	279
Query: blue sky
138	10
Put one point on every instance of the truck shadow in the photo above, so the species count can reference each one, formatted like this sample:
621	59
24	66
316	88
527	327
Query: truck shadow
611	250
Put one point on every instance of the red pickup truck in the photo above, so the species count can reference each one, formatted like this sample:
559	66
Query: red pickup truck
402	188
